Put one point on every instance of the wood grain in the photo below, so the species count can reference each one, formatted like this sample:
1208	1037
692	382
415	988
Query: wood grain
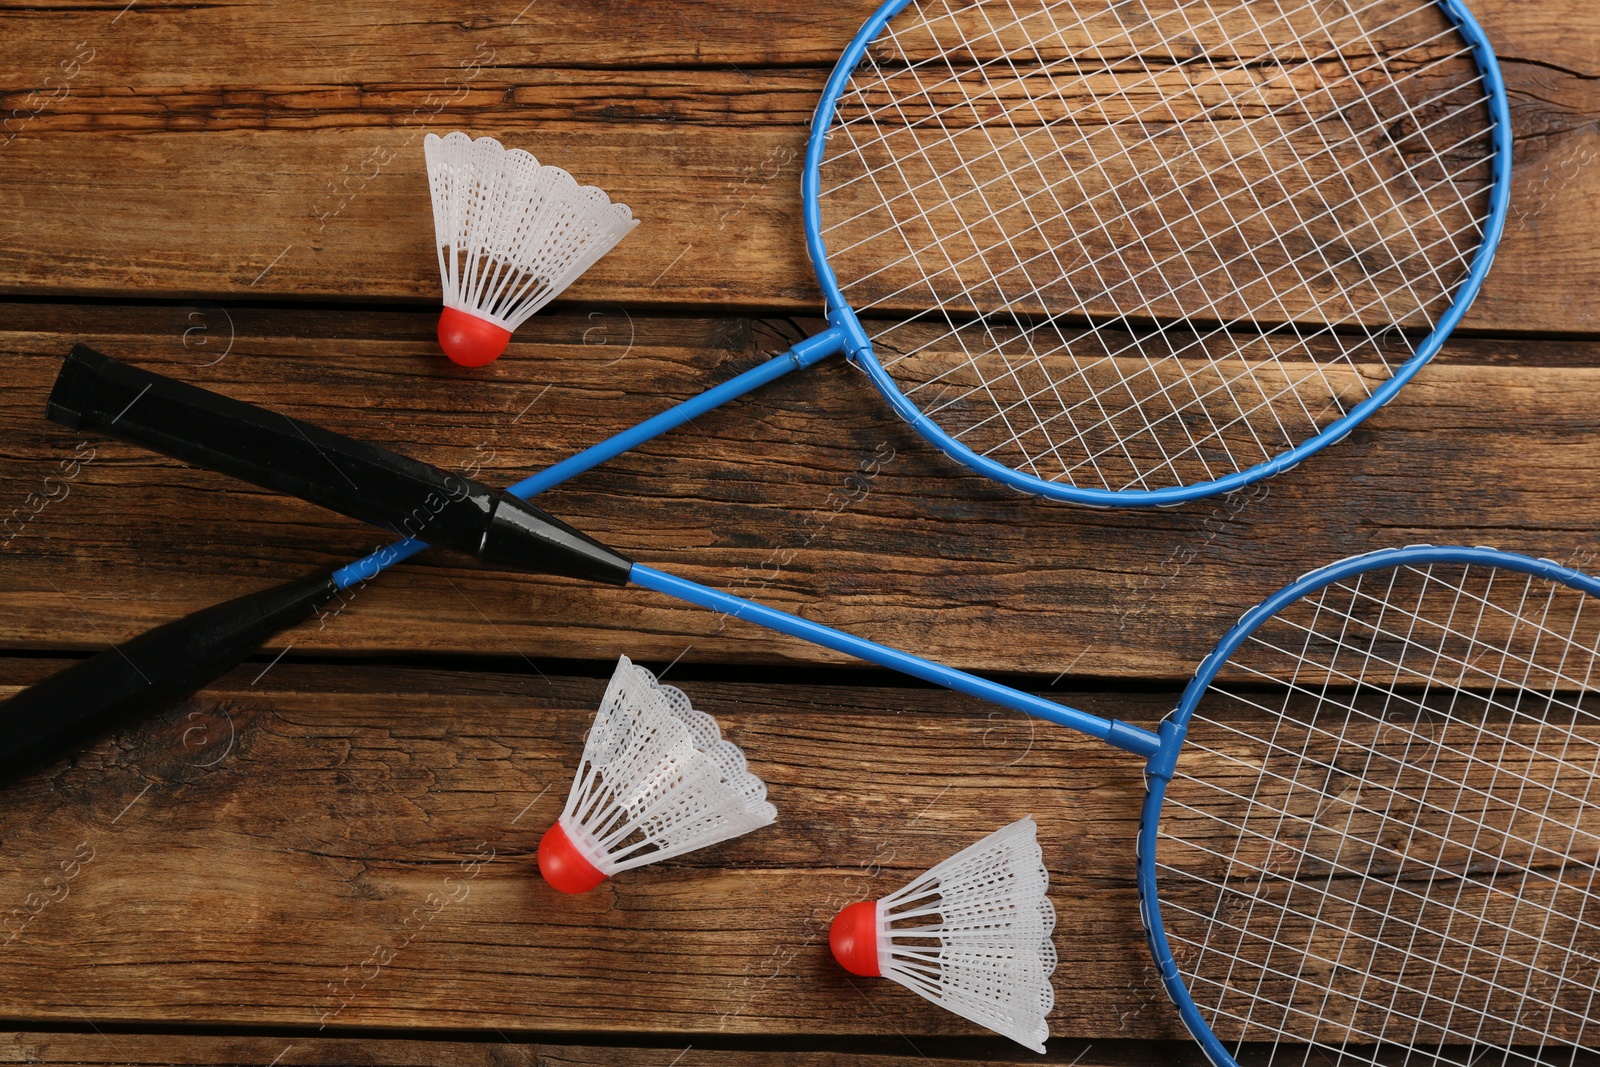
333	846
807	495
167	170
174	1050
371	41
337	847
317	847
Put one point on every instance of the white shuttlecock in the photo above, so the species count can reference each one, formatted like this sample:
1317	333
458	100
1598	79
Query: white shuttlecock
511	235
972	935
656	780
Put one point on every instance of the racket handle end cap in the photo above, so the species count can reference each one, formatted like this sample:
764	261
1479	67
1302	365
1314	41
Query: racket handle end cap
563	865
71	396
470	341
853	937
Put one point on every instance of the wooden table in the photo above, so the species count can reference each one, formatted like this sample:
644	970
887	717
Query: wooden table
328	856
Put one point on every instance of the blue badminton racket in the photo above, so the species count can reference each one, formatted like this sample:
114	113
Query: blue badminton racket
1368	827
1138	253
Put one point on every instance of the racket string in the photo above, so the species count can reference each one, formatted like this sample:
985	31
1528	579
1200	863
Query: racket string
1030	461
938	113
1126	216
1367	775
968	104
1037	405
1544	816
1193	445
1370	846
1132	346
1012	436
1341	951
1407	854
912	391
1316	1012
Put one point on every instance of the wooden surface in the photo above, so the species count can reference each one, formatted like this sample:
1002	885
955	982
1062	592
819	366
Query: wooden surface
234	196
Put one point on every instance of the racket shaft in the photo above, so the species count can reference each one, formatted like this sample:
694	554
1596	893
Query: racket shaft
1130	738
167	435
802	355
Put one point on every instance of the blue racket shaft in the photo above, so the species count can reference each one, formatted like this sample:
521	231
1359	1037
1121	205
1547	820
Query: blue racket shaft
799	357
1118	733
287	455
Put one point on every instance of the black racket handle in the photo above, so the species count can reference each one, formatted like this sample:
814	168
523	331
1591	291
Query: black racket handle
56	716
352	477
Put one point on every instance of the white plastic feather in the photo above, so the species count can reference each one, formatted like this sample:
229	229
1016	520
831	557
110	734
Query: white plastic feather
511	233
973	935
657	779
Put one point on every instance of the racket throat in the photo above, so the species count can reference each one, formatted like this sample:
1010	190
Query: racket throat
845	334
526	538
1164	760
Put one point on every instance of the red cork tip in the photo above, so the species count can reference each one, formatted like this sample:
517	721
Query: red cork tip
563	866
854	938
469	340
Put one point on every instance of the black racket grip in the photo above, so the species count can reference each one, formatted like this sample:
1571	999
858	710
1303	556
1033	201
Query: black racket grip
354	478
56	716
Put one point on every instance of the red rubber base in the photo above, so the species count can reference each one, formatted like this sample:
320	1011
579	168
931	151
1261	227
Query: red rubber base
563	866
854	938
469	340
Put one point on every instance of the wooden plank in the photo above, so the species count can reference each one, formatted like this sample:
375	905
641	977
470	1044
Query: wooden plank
171	182
241	858
371	41
193	1050
808	496
353	847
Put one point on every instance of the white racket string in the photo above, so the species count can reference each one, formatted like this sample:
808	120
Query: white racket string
1112	191
1145	264
1293	264
1292	389
1399	986
968	103
1382	831
1262	838
870	114
1248	373
1193	445
1474	226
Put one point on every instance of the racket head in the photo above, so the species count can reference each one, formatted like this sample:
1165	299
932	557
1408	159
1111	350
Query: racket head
1421	926
1127	441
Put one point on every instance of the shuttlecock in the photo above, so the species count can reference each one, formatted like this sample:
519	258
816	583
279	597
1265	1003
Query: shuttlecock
972	935
656	780
511	234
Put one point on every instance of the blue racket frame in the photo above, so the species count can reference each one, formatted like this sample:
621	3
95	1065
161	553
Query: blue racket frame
859	348
1158	771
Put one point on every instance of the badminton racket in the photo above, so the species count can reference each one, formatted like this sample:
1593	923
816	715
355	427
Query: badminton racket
1140	252
1368	828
